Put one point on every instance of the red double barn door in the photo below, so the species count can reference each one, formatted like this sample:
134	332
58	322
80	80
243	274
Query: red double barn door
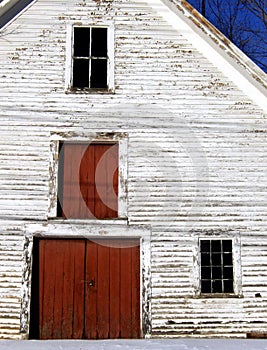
88	289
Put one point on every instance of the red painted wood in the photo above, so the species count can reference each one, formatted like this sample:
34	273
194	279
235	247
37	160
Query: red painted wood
90	181
49	263
55	265
73	289
68	179
106	181
135	273
115	295
100	181
61	296
89	289
113	176
91	311
126	293
40	283
103	291
87	183
72	204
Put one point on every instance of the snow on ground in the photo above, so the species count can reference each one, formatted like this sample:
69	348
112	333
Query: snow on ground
155	344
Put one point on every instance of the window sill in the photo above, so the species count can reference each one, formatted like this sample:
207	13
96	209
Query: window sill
118	221
218	295
88	91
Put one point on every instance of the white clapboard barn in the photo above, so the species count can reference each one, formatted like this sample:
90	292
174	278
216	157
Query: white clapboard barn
133	174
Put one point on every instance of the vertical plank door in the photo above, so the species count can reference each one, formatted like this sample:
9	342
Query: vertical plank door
89	289
106	181
112	307
61	289
88	181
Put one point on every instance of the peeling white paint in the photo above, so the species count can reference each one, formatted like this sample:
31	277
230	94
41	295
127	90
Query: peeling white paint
192	154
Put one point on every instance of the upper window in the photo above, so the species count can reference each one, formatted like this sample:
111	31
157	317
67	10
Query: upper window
88	181
91	59
216	266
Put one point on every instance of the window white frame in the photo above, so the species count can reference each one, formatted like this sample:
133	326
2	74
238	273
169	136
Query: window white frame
236	254
69	57
120	138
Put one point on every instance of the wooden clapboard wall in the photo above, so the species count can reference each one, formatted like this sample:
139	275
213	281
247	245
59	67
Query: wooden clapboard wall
195	159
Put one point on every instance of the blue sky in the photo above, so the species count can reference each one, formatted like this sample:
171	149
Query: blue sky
242	29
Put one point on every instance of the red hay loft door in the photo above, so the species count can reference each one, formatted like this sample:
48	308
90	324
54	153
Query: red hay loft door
88	181
87	289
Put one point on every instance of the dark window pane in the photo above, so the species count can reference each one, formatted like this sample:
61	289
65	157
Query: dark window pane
205	246
98	74
216	272
228	273
205	273
205	259
227	245
217	286
80	73
227	259
228	286
216	246
99	42
206	286
81	42
216	259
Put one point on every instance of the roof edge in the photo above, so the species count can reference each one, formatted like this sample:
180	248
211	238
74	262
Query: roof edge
228	44
10	9
226	56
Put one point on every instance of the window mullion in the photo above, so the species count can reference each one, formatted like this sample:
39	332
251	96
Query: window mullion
222	274
90	57
211	281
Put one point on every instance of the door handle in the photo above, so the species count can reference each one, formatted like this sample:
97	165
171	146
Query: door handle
91	283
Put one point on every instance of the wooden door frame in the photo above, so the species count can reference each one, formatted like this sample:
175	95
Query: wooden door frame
80	231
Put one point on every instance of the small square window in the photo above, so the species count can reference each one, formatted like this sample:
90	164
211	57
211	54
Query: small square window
91	59
216	266
88	181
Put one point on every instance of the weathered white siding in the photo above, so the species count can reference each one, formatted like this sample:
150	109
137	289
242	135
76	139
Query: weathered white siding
196	159
11	276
